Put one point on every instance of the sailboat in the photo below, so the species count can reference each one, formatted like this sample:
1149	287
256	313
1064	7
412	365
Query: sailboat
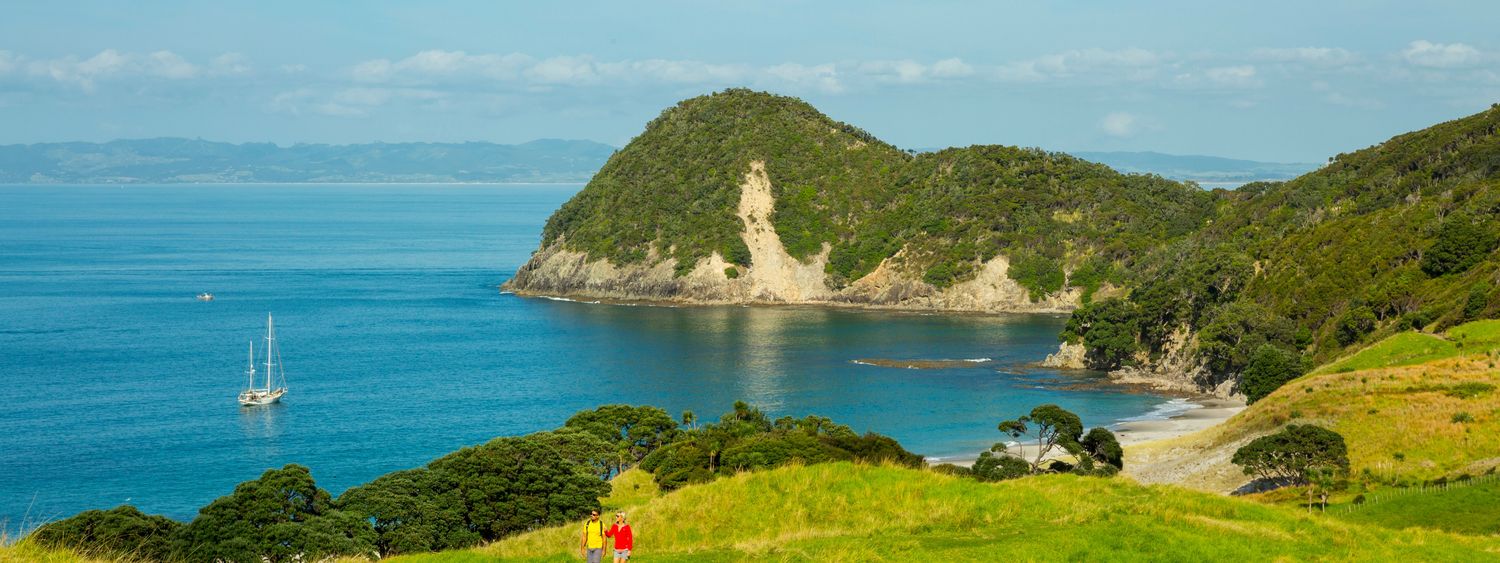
267	394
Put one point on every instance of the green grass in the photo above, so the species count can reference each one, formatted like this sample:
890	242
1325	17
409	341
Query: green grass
1464	509
1412	348
1401	349
848	512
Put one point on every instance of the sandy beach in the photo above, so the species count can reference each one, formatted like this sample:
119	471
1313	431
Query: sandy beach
1198	413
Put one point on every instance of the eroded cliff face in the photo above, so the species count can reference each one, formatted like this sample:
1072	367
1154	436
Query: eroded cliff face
774	276
1177	369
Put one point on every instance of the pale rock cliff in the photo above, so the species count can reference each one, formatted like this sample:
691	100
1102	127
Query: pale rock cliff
774	276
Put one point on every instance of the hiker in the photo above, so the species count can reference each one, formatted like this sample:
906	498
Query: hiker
592	543
624	538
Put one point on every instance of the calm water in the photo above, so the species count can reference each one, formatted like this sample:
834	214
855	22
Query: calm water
117	386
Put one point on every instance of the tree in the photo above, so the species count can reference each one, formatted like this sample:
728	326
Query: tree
689	419
1108	330
1479	299
282	516
1270	368
122	531
637	431
1101	445
1051	426
512	484
1461	243
1295	455
412	511
584	449
1356	322
1235	331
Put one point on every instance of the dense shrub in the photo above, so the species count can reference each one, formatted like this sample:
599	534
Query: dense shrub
746	439
1269	368
1461	243
1109	330
1354	324
118	532
282	516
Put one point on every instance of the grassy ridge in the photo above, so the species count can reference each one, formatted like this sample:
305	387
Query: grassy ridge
1411	348
847	512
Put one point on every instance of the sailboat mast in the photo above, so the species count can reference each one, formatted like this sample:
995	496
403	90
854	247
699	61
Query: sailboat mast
250	366
270	349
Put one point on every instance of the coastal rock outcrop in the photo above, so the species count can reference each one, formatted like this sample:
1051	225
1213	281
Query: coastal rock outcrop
773	276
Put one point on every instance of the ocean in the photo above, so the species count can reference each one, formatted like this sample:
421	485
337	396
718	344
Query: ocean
118	386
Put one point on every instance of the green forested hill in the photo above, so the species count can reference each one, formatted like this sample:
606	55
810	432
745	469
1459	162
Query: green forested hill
1394	237
675	189
1397	236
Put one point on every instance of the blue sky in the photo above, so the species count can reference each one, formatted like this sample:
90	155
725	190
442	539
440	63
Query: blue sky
1287	81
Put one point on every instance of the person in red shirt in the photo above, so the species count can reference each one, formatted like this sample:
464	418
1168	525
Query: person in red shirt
624	538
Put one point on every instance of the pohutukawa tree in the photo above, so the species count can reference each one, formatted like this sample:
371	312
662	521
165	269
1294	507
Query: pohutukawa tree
1053	427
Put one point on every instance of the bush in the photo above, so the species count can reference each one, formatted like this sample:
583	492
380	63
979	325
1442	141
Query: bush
1479	300
1462	417
1270	368
1107	330
122	532
1039	274
1355	324
991	467
744	439
1469	390
282	516
1461	243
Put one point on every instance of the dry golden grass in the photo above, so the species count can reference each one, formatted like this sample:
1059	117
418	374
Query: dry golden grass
1399	424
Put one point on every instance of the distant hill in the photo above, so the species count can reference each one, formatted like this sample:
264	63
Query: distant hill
1198	168
174	160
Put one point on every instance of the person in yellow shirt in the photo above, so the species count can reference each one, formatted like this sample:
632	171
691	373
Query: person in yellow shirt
592	544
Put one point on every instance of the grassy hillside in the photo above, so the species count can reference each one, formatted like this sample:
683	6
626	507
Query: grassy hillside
1460	508
1404	422
1411	348
845	512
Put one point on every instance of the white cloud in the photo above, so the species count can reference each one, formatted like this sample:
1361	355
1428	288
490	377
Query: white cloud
438	65
951	68
1119	124
1242	76
1315	56
1098	65
824	77
108	64
1439	55
564	70
229	64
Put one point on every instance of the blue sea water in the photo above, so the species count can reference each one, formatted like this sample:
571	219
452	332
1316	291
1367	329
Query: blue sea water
117	386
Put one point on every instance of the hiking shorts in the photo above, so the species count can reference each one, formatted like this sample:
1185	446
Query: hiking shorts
596	554
622	553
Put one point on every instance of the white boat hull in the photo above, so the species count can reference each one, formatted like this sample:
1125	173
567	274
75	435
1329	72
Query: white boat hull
261	397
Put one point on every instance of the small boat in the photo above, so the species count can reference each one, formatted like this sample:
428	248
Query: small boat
271	392
205	296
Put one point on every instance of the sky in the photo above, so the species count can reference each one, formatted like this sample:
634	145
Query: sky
1271	80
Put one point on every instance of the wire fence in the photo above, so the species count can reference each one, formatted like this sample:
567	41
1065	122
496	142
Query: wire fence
1426	488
